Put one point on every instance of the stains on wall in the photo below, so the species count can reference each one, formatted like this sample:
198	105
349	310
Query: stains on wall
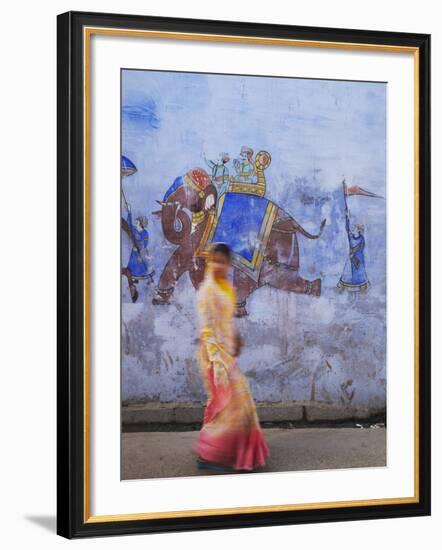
296	347
290	352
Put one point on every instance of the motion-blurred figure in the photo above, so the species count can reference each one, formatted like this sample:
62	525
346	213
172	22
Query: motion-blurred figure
231	435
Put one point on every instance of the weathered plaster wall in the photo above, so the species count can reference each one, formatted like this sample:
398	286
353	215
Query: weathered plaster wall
329	348
297	347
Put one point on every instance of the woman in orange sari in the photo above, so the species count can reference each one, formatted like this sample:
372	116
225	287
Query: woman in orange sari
231	435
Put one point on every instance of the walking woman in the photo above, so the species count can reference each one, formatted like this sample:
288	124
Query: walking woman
231	435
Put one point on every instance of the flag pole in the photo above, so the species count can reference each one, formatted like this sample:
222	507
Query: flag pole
124	196
344	190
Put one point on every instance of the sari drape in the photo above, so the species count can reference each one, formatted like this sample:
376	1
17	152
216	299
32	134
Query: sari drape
231	434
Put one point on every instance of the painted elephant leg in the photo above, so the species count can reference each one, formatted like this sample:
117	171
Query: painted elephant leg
285	278
244	286
283	248
177	264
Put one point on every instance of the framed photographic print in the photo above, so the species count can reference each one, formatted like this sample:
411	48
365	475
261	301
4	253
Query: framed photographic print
243	274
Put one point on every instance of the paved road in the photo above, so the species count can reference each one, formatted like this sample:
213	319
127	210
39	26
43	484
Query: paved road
168	454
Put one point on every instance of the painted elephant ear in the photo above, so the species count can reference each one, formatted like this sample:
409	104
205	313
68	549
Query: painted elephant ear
210	191
198	180
199	202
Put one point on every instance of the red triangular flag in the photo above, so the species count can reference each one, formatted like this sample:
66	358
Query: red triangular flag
356	190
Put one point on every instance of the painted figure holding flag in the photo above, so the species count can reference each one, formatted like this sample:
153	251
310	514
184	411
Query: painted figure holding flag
354	277
138	266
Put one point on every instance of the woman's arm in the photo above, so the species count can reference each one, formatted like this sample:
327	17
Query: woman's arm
219	358
207	318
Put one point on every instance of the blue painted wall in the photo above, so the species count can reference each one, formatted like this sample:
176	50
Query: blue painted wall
330	348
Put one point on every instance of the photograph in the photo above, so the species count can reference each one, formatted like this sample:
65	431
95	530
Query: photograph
227	338
253	274
243	274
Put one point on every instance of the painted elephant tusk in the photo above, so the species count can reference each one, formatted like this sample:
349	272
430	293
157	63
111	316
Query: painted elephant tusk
167	203
161	203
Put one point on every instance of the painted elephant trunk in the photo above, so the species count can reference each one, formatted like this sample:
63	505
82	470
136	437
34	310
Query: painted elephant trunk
175	222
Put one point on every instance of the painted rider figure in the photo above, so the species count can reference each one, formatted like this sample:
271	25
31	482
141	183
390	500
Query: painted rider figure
245	167
220	172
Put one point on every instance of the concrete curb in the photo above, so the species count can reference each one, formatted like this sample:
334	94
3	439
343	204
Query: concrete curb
287	411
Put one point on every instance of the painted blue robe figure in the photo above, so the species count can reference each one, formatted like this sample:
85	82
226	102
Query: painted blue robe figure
138	264
354	276
220	173
245	167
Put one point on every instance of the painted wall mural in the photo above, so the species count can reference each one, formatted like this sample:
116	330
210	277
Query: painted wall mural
297	191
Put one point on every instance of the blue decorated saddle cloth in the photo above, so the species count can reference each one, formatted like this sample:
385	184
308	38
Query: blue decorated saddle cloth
244	221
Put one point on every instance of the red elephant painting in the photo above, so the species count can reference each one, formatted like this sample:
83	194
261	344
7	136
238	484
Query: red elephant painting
192	215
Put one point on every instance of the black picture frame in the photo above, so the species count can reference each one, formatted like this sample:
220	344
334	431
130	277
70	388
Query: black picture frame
72	521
